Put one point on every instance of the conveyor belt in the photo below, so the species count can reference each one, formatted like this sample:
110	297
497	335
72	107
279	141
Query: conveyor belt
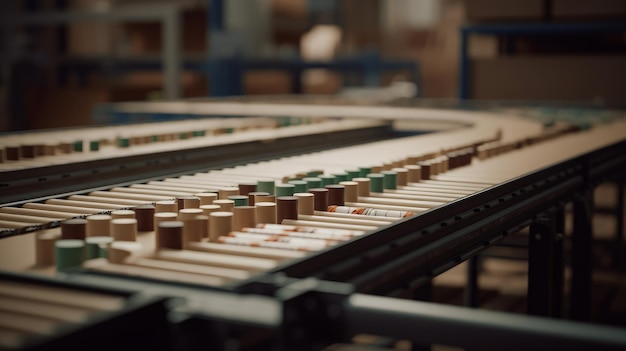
409	208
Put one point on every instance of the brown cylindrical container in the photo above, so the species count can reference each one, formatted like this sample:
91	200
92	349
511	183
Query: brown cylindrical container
144	215
264	198
124	229
74	228
363	186
286	208
335	194
225	205
123	214
180	202
244	217
191	202
402	175
195	229
206	198
163	217
98	225
425	170
252	196
170	235
443	164
12	153
44	248
247	188
320	198
166	206
350	191
411	160
414	174
306	203
207	209
189	213
28	151
220	224
266	212
49	149
225	192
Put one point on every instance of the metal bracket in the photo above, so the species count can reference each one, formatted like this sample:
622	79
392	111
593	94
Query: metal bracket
312	314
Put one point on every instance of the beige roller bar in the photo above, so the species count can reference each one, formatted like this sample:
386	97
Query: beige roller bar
61	296
261	252
41	213
98	199
103	265
252	264
61	208
114	194
97	205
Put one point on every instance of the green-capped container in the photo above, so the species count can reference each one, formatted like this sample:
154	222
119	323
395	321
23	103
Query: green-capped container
353	173
285	189
312	182
390	179
364	171
266	186
376	182
96	246
69	253
240	200
327	179
300	186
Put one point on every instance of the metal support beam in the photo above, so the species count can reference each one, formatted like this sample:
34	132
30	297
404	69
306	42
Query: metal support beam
558	263
422	293
580	299
470	294
545	264
540	271
472	328
171	55
618	244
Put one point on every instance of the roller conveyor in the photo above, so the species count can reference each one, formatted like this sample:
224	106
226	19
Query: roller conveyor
416	206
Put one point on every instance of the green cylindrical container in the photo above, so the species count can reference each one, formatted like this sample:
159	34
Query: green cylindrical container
364	171
265	186
300	186
285	189
78	146
340	177
93	245
312	182
240	200
69	253
376	182
390	179
353	173
327	179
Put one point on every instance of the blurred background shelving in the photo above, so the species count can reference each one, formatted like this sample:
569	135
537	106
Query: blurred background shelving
71	55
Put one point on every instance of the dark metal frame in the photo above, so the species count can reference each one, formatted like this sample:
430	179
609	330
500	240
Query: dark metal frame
320	299
32	183
120	329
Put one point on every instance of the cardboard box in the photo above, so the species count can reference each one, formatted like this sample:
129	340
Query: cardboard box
570	78
60	108
589	10
505	10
